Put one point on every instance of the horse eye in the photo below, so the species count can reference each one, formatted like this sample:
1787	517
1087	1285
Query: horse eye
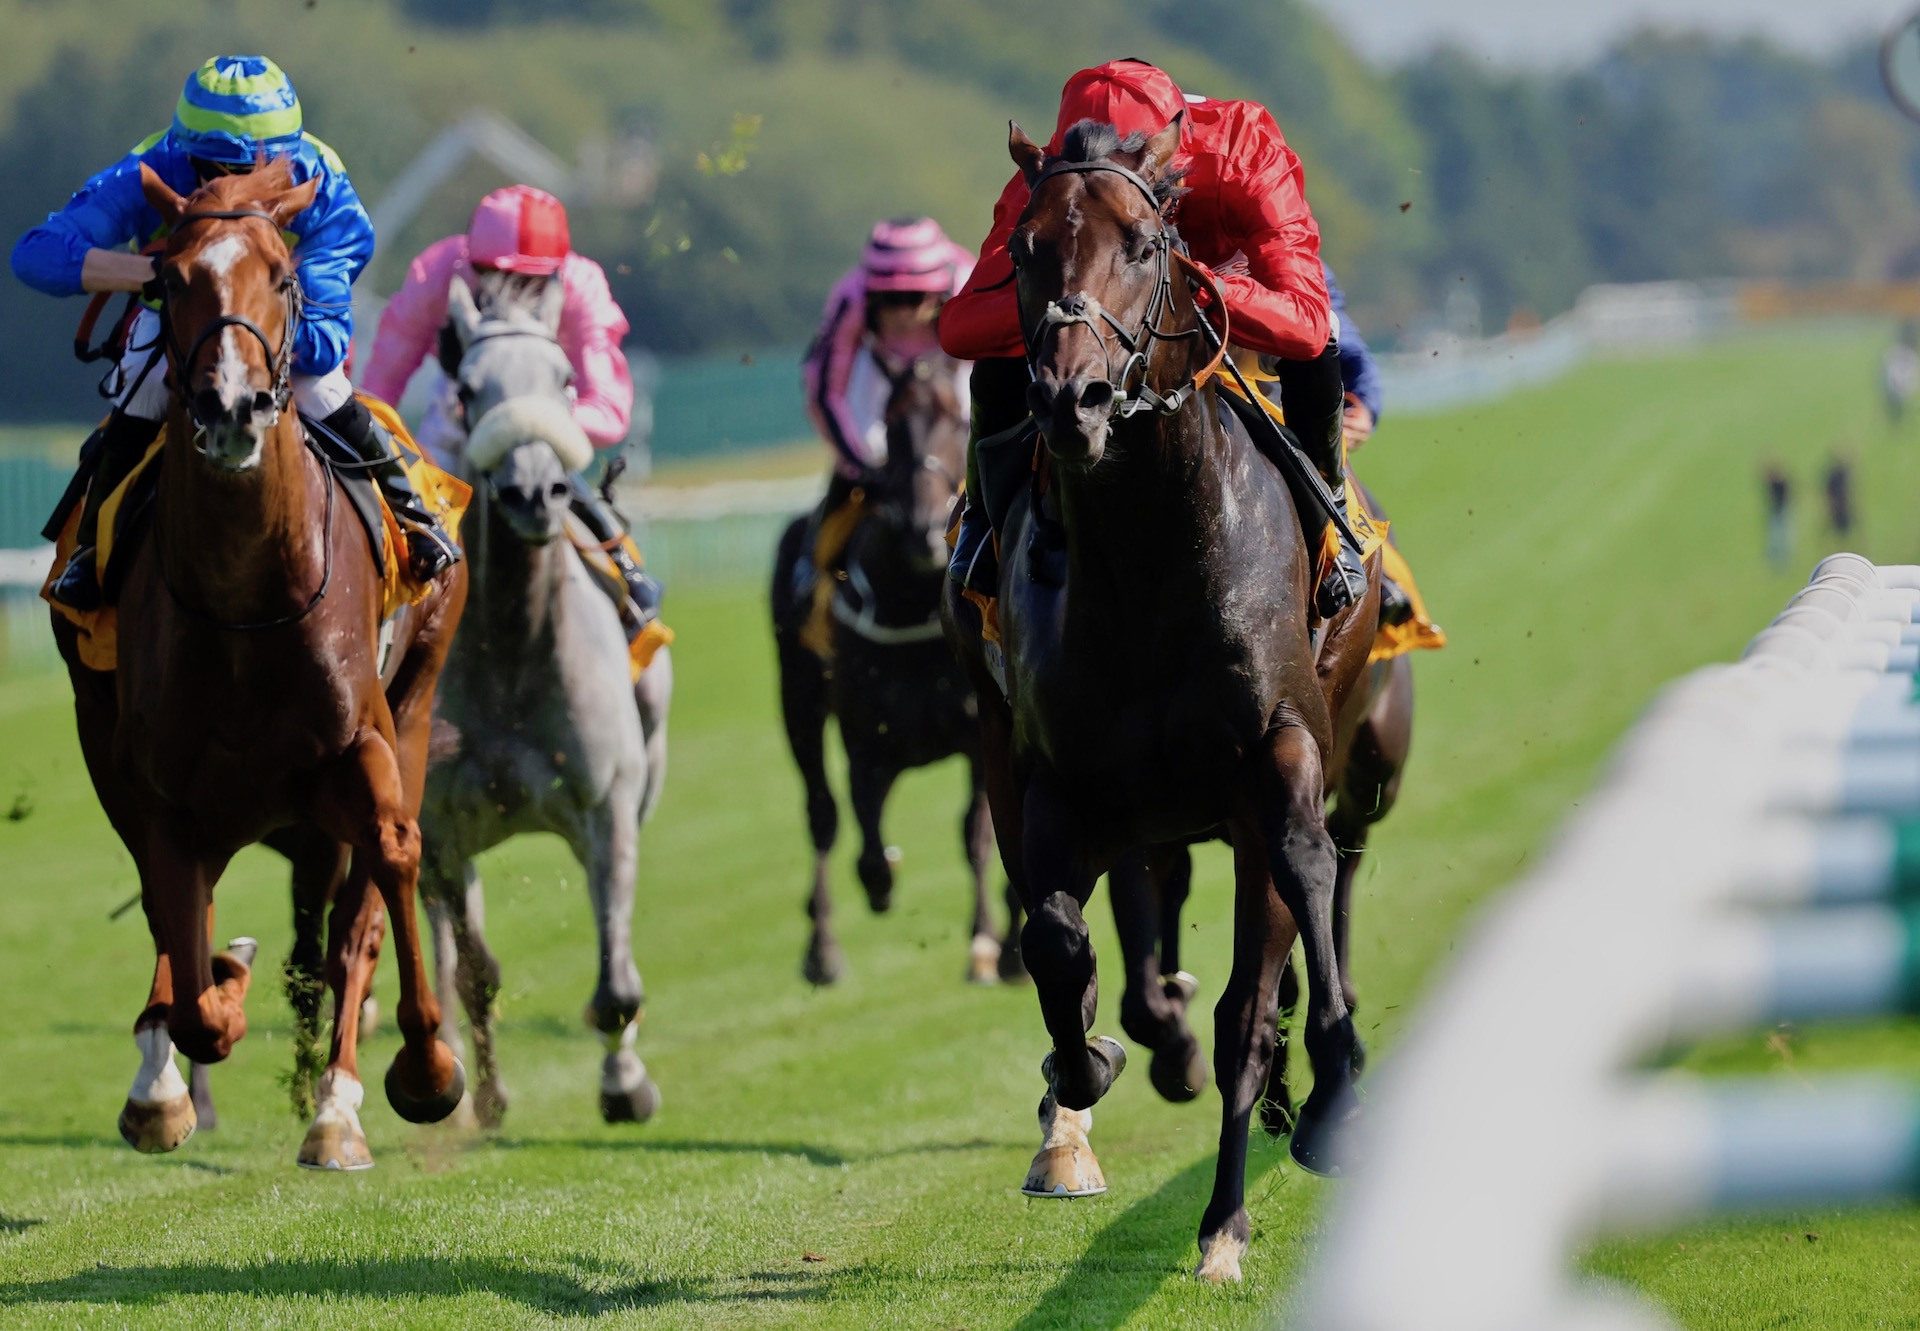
173	280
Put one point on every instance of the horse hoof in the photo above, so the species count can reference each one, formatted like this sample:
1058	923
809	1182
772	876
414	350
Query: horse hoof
1181	986
1178	1072
823	965
244	950
335	1144
430	1108
335	1140
1064	1172
154	1129
1220	1260
490	1105
1321	1144
983	960
634	1106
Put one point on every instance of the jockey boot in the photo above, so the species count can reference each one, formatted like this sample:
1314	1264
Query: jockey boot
999	390
112	452
430	551
600	517
1396	607
1314	398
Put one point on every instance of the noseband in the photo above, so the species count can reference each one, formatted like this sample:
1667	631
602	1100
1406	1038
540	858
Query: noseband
1081	309
279	363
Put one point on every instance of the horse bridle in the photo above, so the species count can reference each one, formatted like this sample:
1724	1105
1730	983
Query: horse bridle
1081	309
279	363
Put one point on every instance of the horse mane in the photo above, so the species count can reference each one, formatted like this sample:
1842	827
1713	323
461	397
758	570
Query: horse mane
509	297
1097	141
250	189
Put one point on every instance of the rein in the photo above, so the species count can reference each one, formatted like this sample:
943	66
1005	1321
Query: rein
1080	309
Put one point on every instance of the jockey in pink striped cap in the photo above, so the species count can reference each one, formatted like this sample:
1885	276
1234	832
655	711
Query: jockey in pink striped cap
523	231
881	314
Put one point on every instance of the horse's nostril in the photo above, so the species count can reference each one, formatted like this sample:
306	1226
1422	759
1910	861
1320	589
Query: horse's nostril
1040	399
1096	396
558	490
262	404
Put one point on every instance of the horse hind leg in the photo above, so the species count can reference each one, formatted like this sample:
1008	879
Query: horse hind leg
469	974
357	923
1153	1007
976	837
804	708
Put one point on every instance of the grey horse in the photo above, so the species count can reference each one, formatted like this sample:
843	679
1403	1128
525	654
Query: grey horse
539	727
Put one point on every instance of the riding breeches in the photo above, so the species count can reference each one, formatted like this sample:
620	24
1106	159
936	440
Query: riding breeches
141	389
1313	396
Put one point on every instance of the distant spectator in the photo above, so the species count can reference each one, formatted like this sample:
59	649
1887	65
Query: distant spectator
1779	495
1840	494
1900	372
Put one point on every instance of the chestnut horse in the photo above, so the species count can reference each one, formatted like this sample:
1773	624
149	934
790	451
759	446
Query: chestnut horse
1164	677
248	697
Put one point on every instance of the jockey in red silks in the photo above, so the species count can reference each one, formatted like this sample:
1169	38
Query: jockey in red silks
1243	215
879	319
522	231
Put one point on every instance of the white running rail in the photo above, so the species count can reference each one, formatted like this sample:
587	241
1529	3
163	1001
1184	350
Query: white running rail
1752	856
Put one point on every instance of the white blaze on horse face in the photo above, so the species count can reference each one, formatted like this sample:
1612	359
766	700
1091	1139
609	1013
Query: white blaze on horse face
230	444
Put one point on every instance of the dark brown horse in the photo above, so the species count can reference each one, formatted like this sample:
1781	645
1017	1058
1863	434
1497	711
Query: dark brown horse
1163	677
900	699
248	698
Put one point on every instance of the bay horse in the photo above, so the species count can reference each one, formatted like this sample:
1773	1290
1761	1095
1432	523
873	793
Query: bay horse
540	725
900	698
1164	678
248	698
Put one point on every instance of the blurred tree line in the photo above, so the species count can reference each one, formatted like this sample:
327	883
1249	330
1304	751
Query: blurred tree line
783	127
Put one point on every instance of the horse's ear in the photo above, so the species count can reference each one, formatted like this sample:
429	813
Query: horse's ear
553	300
283	208
1027	155
1160	149
462	309
161	196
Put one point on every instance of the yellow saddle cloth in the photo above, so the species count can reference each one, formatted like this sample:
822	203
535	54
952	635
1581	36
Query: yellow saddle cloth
655	634
1419	633
445	495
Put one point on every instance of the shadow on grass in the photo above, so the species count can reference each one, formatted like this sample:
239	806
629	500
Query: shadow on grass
592	1290
1149	1243
821	1156
17	1224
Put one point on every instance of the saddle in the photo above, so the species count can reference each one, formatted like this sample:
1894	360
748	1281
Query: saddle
127	512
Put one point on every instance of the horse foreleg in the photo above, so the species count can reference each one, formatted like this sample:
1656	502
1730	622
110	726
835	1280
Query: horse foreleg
1059	953
319	866
1243	1044
208	1014
159	1114
1290	816
1153	1009
608	845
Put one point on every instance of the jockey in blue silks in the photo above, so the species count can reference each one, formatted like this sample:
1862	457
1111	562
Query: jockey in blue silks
235	112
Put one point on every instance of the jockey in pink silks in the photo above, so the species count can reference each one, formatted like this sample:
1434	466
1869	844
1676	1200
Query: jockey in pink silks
523	231
880	317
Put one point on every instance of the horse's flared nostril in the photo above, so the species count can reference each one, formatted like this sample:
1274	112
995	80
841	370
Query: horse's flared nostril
1096	397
